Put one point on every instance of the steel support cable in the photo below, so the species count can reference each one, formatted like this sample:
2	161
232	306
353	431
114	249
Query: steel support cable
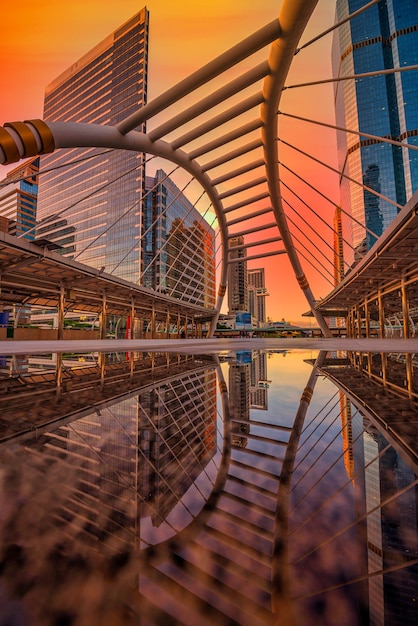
216	267
334	204
5	183
135	443
190	235
162	249
409	562
338	79
337	25
376	138
121	477
185	536
116	221
330	467
53	217
197	273
317	442
158	472
317	234
71	134
155	222
359	519
315	268
307	251
321	219
135	244
314	417
342	175
183	243
318	458
188	444
349	482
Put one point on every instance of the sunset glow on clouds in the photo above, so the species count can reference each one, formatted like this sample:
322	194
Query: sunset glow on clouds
39	40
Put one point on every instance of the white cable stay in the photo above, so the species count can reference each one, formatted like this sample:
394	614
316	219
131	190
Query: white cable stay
334	204
337	25
312	210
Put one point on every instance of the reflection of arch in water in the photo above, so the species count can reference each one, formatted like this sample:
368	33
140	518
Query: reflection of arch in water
225	566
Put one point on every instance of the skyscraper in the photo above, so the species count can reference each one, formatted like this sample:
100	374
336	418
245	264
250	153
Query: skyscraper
384	37
92	208
178	244
257	294
237	277
18	200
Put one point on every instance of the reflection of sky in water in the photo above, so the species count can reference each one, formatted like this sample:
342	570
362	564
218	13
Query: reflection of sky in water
173	495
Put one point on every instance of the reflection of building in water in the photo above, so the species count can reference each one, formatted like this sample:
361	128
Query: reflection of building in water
148	449
347	434
384	455
239	398
392	538
258	382
177	437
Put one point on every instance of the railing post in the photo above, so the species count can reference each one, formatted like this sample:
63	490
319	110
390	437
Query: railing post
61	304
103	317
405	309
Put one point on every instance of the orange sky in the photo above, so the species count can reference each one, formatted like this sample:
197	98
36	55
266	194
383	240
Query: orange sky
39	40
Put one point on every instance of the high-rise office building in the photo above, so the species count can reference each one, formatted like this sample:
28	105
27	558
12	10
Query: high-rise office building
384	37
257	294
91	207
237	277
178	244
18	200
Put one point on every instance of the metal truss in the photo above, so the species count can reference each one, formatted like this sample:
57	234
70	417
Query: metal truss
221	126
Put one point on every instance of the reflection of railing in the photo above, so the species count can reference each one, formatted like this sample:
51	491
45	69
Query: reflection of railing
31	401
385	388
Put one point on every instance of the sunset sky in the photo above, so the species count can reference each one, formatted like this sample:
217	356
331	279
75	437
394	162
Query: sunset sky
39	40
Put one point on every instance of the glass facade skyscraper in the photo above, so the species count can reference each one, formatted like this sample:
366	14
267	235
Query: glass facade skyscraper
79	203
384	37
18	200
178	244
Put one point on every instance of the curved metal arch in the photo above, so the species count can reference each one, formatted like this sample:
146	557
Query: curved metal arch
18	139
77	135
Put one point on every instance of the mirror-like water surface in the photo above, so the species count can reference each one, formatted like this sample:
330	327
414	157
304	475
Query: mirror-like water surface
241	488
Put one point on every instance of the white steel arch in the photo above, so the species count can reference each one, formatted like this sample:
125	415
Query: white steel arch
236	120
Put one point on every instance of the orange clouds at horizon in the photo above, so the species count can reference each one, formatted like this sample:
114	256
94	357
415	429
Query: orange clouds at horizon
40	40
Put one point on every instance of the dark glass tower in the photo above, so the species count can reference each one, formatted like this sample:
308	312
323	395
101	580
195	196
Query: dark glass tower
84	199
382	38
